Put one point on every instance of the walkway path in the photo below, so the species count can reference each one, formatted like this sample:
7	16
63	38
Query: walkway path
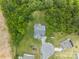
5	50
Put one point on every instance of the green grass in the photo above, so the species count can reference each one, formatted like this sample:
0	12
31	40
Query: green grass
18	17
74	50
0	5
58	36
28	40
0	8
25	44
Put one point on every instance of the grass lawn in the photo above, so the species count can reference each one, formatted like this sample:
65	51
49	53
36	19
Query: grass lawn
0	5
25	46
0	8
28	41
68	53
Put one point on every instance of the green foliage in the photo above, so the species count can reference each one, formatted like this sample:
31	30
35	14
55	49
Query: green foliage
59	16
19	13
63	16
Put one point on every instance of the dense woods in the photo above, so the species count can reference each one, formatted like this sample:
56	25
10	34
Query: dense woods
60	16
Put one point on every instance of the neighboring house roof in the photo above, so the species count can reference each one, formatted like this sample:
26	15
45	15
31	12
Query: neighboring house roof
66	44
39	31
27	56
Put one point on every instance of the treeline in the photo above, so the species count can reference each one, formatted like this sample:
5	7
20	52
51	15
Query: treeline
19	12
60	16
63	16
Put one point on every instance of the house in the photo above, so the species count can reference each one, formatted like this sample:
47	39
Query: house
39	31
66	44
27	56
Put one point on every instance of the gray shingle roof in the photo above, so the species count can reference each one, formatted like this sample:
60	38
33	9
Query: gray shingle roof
26	56
66	44
39	31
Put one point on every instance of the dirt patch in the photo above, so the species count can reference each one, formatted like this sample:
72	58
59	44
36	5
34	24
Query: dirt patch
5	50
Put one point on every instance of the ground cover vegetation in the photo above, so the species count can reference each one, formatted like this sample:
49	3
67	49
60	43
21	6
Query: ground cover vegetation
57	15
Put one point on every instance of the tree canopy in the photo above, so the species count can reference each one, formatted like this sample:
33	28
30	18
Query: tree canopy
60	15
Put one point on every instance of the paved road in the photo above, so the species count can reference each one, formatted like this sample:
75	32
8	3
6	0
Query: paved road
5	50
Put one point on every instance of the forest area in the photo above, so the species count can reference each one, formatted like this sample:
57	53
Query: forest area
58	15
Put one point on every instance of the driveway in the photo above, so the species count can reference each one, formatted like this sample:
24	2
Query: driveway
47	49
